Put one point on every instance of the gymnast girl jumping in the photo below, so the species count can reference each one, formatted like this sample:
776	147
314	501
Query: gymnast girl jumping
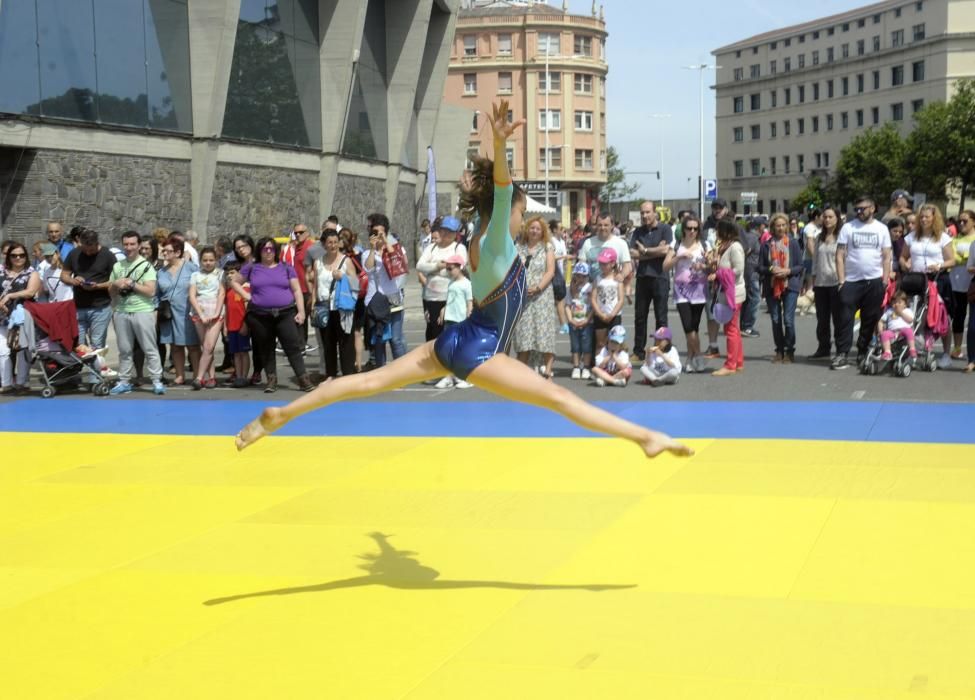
475	349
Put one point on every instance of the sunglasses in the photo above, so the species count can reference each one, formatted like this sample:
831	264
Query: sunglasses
18	256
964	221
860	210
268	249
691	228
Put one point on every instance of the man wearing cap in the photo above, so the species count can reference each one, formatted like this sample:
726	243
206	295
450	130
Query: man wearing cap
433	265
649	245
900	205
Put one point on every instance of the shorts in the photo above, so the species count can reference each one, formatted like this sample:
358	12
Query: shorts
690	316
359	315
600	325
238	343
580	340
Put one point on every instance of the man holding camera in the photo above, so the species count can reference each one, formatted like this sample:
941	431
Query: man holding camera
133	288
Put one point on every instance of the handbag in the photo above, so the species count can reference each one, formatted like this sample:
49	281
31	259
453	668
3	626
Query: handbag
345	300
395	261
320	314
165	306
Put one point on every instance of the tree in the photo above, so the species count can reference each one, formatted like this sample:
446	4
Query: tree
941	150
616	187
813	195
873	164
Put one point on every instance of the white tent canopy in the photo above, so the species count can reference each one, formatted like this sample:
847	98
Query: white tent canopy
535	207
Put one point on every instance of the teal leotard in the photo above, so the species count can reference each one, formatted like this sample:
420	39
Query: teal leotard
499	289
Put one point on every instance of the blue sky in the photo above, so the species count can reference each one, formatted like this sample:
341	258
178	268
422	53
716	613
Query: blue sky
648	43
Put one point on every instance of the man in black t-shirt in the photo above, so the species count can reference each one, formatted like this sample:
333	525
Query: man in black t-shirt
87	270
649	245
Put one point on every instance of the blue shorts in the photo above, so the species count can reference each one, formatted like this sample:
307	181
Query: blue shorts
463	347
238	343
580	340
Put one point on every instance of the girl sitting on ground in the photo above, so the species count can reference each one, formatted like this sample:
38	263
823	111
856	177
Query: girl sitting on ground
662	364
613	361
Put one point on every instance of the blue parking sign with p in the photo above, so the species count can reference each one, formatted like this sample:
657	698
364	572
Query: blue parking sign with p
710	190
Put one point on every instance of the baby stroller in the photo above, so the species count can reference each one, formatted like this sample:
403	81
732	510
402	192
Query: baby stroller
48	331
919	292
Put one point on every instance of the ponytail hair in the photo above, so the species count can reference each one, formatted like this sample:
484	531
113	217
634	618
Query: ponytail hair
477	194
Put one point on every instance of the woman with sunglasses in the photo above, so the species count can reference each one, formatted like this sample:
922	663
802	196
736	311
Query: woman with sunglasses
18	283
475	349
173	290
275	311
961	279
690	266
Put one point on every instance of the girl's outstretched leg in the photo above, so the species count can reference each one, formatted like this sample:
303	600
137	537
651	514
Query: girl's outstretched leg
416	366
506	377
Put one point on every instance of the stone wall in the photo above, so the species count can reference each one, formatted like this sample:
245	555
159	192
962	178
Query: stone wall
261	201
108	193
356	198
403	219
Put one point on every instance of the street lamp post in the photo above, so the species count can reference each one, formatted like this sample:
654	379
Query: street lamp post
700	178
661	166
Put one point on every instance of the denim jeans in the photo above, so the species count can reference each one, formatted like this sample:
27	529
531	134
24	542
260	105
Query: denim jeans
580	340
749	310
93	325
783	311
397	342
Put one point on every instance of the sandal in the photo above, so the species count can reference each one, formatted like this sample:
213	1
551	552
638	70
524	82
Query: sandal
210	383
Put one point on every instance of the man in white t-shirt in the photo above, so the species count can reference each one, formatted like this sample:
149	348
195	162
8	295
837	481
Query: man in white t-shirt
863	258
606	238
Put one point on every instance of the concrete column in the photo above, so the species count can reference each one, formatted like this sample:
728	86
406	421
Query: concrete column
213	30
340	31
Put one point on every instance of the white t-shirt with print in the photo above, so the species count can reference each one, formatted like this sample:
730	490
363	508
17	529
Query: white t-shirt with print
926	251
607	295
616	361
659	365
579	304
865	243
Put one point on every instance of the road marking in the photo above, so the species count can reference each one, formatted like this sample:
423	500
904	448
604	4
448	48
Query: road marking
858	395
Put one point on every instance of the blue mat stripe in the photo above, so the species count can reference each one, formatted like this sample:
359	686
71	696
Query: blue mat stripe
881	422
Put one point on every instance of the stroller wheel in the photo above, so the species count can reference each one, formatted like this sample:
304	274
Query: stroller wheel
932	363
48	392
101	389
906	370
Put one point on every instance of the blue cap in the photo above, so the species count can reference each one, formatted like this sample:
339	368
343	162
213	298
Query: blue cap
617	334
451	223
580	268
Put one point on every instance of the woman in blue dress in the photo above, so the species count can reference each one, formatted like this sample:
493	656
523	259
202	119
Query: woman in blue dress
173	285
475	349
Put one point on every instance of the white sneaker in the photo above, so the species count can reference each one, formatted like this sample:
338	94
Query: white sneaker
576	373
586	374
619	382
446	383
461	384
108	372
945	361
600	381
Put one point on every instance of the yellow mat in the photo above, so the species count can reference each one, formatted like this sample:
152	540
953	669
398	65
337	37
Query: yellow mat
171	567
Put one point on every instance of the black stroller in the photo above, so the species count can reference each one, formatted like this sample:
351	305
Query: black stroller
60	367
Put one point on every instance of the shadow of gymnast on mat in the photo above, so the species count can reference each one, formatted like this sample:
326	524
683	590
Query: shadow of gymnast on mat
398	569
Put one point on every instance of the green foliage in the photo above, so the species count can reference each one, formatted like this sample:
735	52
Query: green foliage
616	187
812	195
873	164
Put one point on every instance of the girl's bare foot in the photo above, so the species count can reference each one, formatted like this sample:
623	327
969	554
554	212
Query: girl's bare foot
271	419
656	443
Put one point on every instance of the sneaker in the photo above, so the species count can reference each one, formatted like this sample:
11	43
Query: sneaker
461	384
310	348
957	354
577	373
108	372
712	352
255	378
564	330
887	356
819	355
699	363
841	361
945	361
586	374
619	382
158	388
600	381
789	358
197	384
446	383
120	388
750	333
689	368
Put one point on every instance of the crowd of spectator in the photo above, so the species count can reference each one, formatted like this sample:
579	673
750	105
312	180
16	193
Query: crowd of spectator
177	306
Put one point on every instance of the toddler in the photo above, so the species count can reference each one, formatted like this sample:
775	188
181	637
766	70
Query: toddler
662	364
238	340
613	361
896	321
580	321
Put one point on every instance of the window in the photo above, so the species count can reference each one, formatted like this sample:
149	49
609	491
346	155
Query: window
549	43
739	105
602	161
755	71
755	101
897	38
815	125
550	120
802	94
876	43
554	158
801	125
860	82
917	71
876	80
917	106
802	38
582	45
739	74
602	87
897	111
756	167
897	75
815	35
829	122
830	56
844	120
875	114
819	160
470	44
846	26
509	155
801	162
504	83
785	164
861	47
774	45
830	31
471	155
584	158
787	64
551	82
474	123
583	84
845	50
918	31
772	67
583	121
739	168
787	127
772	130
737	54
756	132
846	86
861	23
754	49
897	12
788	96
775	98
876	18
602	122
470	83
919	6
787	42
815	91
815	58
771	165
504	44
825	159
859	117
739	134
772	203
802	60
